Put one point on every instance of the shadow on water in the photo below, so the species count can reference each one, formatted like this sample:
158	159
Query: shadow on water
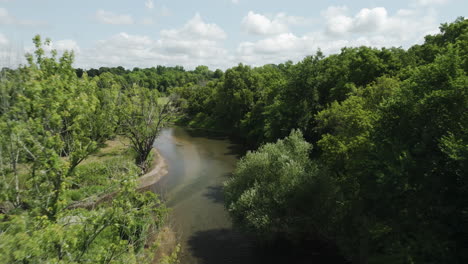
215	194
236	150
220	246
206	133
198	165
228	246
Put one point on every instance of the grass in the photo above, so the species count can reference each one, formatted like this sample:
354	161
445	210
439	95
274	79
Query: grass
163	100
102	171
117	147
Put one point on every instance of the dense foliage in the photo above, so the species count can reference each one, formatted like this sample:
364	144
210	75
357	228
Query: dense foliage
365	149
387	179
51	121
159	78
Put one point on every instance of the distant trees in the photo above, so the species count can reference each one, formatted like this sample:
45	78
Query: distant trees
160	78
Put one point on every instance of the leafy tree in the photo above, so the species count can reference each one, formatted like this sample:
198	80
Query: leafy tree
390	127
267	192
142	116
50	122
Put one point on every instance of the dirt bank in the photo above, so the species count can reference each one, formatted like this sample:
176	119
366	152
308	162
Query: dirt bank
159	170
144	183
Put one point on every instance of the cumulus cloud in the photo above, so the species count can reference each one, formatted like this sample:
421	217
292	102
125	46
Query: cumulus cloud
366	20
430	2
3	40
193	44
287	46
60	46
164	11
198	42
66	45
147	21
7	19
337	20
402	26
106	17
12	52
195	28
149	4
374	27
259	24
7	55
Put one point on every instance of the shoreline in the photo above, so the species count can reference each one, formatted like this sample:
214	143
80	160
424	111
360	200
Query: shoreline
159	170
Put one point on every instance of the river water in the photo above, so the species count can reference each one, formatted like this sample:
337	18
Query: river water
198	164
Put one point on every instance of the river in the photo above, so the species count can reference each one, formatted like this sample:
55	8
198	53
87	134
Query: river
198	164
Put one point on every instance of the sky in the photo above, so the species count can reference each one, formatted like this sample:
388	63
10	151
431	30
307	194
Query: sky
216	33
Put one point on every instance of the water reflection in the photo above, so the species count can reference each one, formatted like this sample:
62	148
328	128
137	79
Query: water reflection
198	165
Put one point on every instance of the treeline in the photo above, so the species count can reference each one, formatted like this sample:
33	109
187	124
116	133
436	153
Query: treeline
51	206
376	162
160	78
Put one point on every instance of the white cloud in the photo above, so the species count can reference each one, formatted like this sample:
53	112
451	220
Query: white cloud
373	27
404	25
261	25
4	40
66	45
337	21
195	28
198	42
147	21
370	19
10	55
292	20
430	2
14	51
7	19
235	1
193	44
286	46
106	17
164	11
366	20
60	46
149	4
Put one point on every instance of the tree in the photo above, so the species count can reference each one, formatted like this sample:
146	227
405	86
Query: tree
48	126
143	114
276	192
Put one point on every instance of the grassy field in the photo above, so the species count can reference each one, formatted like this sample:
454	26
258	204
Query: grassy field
163	100
117	147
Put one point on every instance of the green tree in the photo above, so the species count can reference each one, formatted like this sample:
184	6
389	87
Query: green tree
143	113
276	192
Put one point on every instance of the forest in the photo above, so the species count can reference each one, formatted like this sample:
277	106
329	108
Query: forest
364	150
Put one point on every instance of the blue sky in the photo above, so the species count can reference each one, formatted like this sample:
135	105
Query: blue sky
216	33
